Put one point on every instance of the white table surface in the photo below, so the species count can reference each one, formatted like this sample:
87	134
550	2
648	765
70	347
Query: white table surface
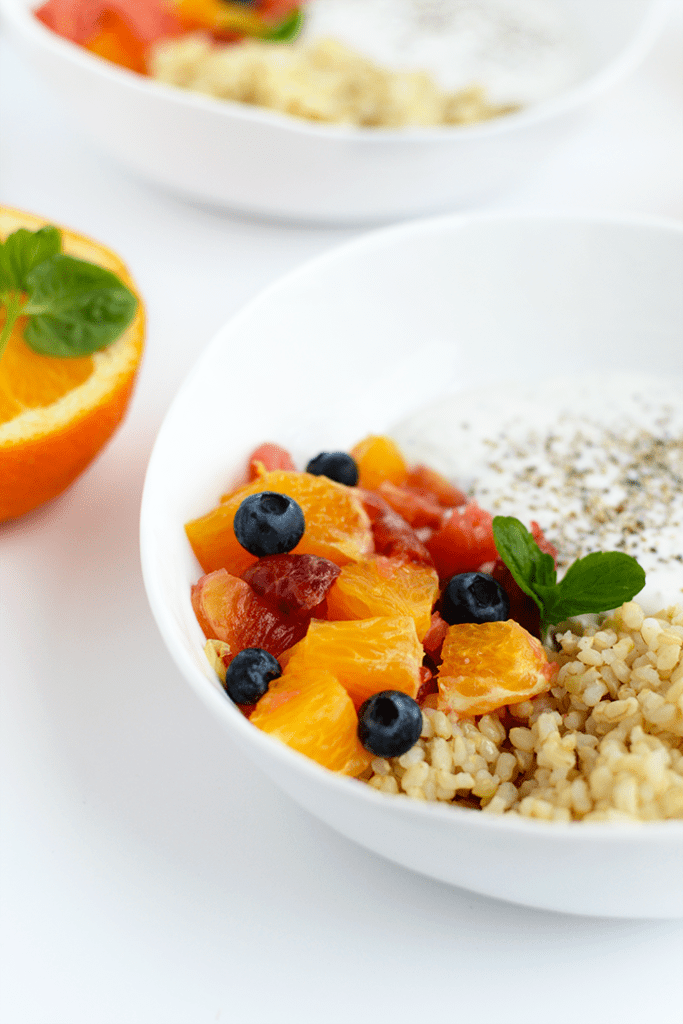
148	875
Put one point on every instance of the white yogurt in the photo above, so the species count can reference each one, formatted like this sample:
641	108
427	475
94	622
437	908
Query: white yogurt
521	51
597	463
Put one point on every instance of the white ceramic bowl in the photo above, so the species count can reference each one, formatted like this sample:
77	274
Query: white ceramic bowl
348	345
255	161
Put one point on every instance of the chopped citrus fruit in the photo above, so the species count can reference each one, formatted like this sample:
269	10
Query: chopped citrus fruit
434	638
115	41
384	586
269	456
228	609
392	535
430	484
366	655
379	458
57	413
488	665
337	526
417	509
309	710
464	542
428	685
292	583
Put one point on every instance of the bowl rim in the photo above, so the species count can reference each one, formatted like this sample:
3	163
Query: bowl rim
218	703
19	14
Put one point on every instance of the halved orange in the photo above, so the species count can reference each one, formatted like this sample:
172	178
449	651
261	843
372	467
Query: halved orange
57	414
384	586
337	526
366	655
490	664
309	710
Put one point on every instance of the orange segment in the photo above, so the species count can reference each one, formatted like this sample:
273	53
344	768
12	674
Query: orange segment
56	414
366	655
488	665
384	586
379	458
337	525
310	710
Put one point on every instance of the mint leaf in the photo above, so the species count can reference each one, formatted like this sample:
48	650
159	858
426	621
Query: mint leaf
597	583
22	251
531	568
76	307
287	30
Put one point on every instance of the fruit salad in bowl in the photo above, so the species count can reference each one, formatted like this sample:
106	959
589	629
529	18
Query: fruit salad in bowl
446	673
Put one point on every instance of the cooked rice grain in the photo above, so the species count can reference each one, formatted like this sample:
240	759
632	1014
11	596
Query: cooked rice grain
605	743
322	81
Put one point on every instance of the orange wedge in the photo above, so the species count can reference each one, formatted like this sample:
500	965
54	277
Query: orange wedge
57	414
490	664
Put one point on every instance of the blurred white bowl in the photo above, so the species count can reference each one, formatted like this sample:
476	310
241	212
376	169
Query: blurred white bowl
256	161
350	344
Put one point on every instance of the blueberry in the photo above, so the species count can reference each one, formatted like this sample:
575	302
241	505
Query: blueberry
249	675
336	466
389	723
474	597
268	523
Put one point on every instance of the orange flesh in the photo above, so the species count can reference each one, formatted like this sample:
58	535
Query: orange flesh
379	458
384	586
31	381
488	665
366	655
310	710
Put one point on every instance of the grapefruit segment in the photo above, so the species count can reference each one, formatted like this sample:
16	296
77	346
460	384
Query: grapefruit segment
227	609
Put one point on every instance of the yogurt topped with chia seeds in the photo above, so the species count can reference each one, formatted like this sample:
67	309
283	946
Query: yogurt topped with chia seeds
520	51
598	463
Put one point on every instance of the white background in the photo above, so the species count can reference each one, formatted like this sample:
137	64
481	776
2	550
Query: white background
148	875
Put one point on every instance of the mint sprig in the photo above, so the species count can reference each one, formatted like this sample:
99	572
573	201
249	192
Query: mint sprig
596	583
74	307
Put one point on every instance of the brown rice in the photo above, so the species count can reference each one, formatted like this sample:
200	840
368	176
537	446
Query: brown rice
605	743
321	81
